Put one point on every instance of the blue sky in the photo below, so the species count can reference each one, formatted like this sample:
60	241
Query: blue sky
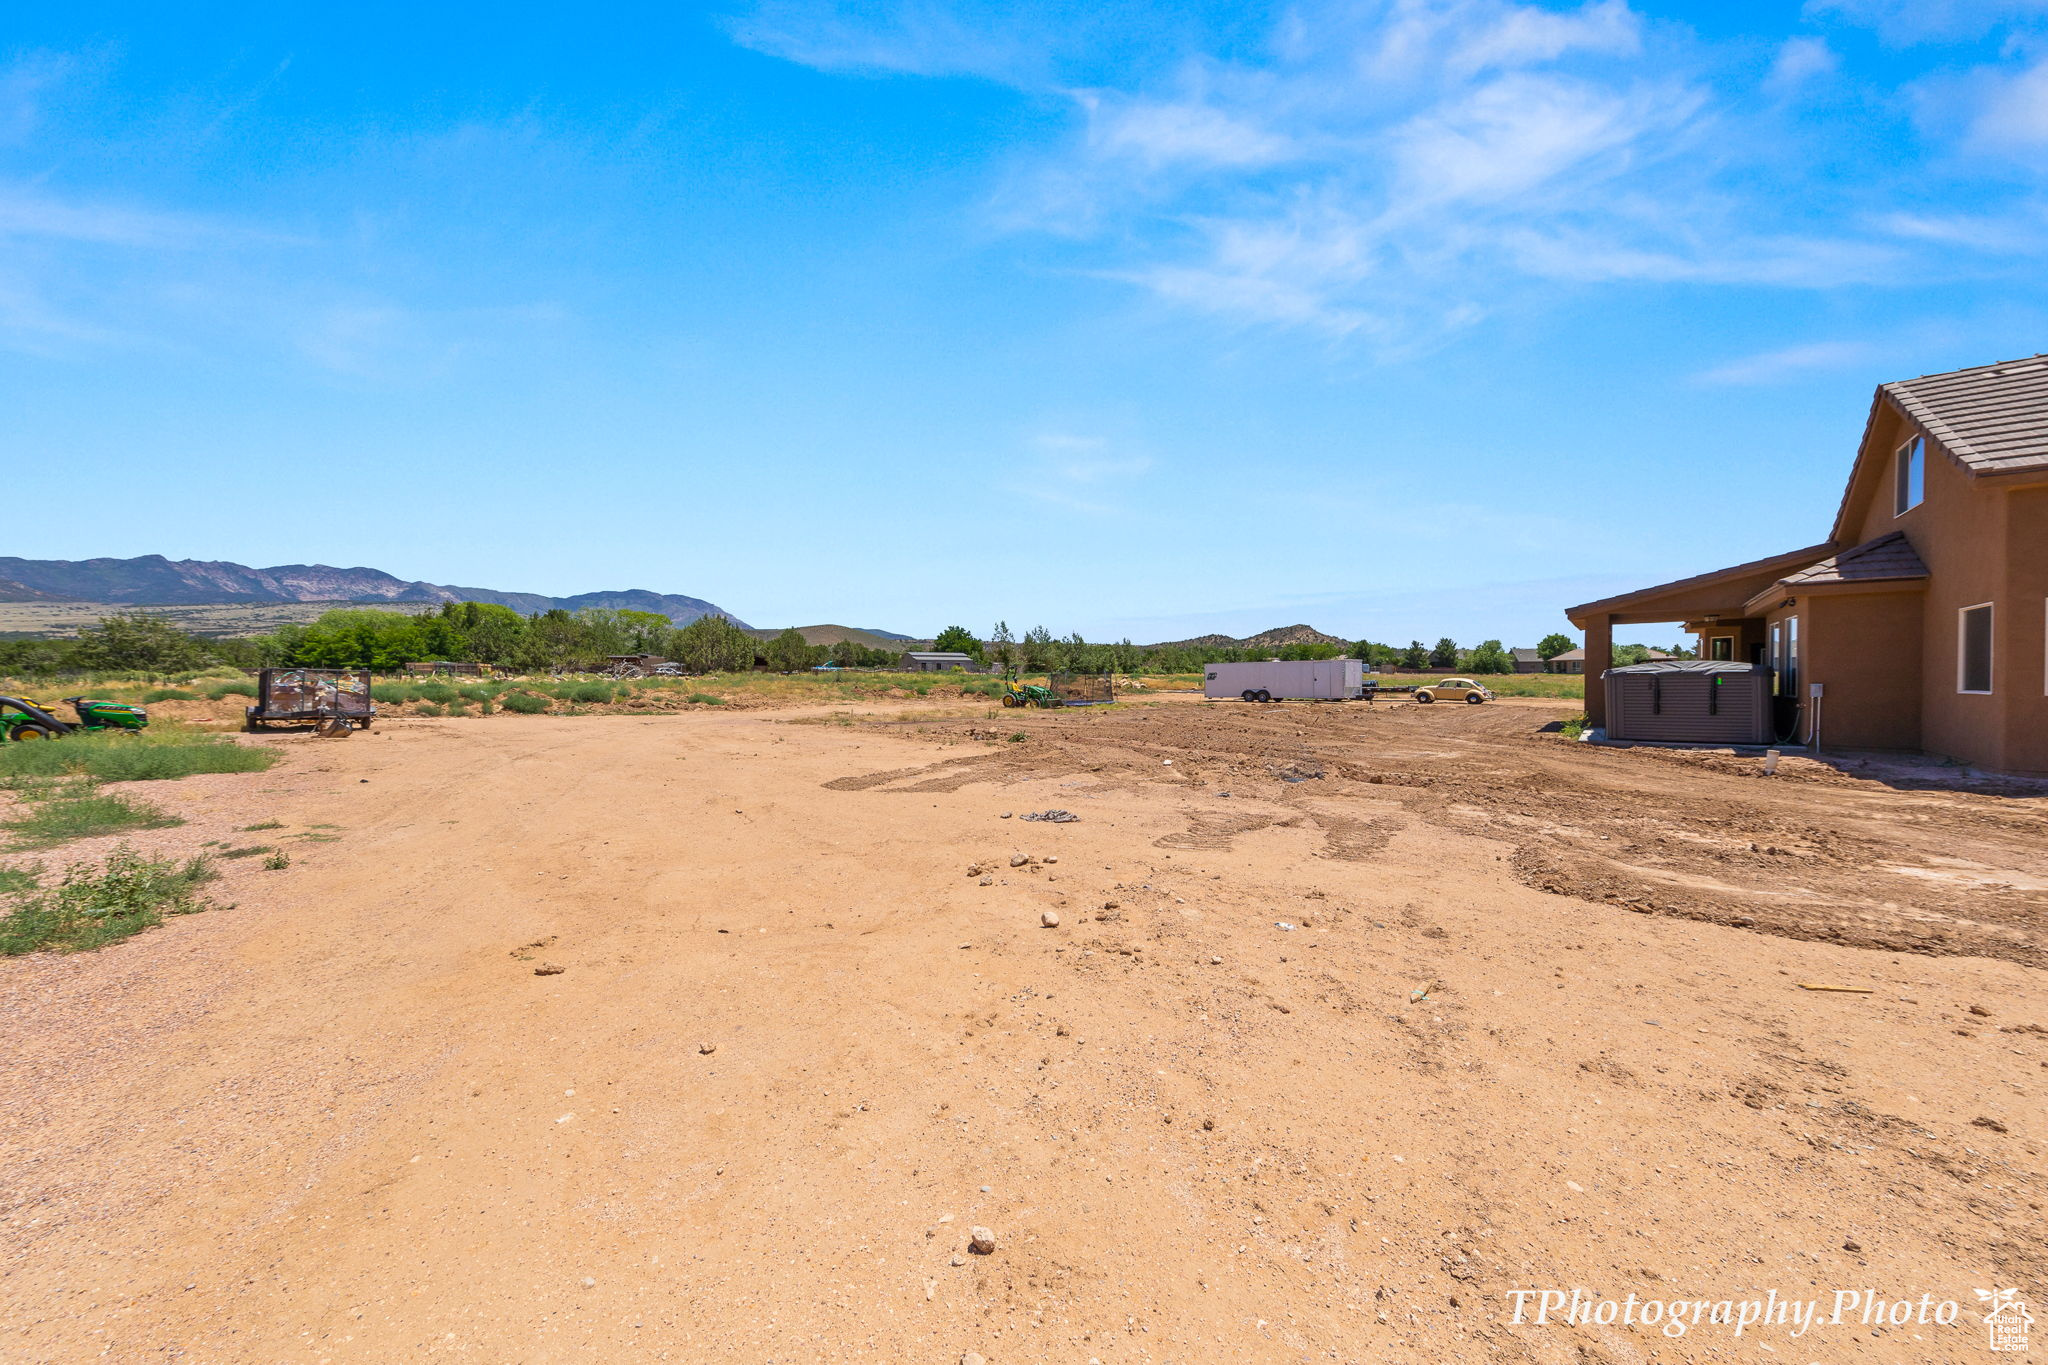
1404	319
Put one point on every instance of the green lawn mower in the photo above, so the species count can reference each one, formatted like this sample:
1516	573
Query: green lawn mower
24	720
1017	694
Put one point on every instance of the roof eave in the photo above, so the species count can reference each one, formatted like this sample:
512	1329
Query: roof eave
1789	560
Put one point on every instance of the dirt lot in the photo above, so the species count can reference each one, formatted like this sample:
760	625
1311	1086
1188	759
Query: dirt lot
1536	1024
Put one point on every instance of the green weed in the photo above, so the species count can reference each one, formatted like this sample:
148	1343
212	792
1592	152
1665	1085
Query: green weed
151	755
63	818
525	703
95	906
278	861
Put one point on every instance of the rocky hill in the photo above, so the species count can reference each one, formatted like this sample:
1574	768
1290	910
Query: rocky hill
156	581
1265	639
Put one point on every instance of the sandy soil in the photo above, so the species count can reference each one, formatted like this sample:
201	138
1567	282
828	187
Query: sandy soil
1536	1024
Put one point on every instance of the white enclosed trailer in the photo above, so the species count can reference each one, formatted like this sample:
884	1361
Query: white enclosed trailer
1281	679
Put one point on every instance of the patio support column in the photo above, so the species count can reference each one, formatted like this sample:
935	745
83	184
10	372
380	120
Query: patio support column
1599	658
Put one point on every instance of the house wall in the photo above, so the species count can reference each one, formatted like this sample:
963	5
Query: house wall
1982	541
1749	637
1864	649
2020	635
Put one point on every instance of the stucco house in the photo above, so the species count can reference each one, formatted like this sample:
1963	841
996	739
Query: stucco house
1921	622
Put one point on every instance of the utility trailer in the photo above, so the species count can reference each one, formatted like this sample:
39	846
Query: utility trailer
1286	680
332	700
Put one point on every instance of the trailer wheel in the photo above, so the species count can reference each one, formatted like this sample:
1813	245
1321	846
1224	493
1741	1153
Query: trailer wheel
1250	695
1264	695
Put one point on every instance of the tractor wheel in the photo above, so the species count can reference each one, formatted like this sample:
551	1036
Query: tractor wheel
30	730
1424	698
1010	700
1473	699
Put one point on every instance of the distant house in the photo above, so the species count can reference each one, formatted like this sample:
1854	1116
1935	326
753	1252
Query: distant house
925	661
1574	660
1527	660
1918	622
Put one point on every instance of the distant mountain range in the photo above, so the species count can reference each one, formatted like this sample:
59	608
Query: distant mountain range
832	635
152	580
1266	639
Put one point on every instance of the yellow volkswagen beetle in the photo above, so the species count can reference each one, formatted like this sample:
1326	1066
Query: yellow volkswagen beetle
1453	689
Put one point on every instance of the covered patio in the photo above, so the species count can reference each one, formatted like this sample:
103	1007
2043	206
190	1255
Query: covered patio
1713	605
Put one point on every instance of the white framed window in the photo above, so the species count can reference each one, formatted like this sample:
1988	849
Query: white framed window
1909	476
1791	656
1973	648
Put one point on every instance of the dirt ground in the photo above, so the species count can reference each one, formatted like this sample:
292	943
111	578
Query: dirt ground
1355	1022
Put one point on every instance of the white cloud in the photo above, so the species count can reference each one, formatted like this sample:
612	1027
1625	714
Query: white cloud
22	85
1170	132
1792	362
1077	472
1906	22
1525	35
1516	134
28	211
1391	171
1799	63
2014	113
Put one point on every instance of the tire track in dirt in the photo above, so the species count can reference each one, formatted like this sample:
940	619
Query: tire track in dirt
1816	853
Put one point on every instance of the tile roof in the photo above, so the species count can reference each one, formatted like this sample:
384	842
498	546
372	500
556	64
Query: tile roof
1991	418
1526	656
1889	556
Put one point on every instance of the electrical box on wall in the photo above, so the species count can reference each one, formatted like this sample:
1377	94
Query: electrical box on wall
1813	689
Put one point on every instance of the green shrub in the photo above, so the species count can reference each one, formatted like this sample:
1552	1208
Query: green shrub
278	862
1573	728
706	699
251	851
434	692
15	880
151	755
458	707
427	708
263	824
392	693
83	816
585	692
525	703
157	694
93	907
240	688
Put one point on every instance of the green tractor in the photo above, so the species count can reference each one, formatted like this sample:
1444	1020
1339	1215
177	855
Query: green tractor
1029	694
24	720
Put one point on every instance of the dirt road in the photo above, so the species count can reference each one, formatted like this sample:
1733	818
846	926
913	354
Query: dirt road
1535	1024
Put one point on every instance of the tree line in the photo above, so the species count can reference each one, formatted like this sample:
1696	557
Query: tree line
485	633
456	632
